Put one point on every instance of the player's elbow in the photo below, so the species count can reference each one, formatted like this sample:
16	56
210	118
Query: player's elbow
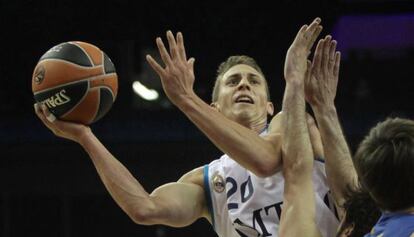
142	216
268	161
264	170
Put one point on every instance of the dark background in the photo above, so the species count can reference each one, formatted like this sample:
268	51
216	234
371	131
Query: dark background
49	187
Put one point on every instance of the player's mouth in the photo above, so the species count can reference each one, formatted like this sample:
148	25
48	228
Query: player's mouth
246	99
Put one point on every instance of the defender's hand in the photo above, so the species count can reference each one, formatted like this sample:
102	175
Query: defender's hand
177	77
296	58
68	130
322	79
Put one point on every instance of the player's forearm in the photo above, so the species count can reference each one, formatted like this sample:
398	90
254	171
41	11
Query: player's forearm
244	145
339	167
297	145
123	187
297	167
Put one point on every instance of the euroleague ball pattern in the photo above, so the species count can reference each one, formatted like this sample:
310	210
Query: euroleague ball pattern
76	81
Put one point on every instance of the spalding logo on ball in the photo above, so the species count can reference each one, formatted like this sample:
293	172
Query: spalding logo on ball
76	81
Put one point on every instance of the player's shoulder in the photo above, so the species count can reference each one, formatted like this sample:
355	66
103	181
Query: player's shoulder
197	175
194	176
275	124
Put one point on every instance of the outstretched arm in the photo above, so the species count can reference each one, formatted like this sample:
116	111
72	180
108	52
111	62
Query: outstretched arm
298	214
320	89
259	155
175	204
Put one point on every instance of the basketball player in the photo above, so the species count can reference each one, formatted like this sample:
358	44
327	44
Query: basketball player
321	91
236	201
358	212
244	191
385	162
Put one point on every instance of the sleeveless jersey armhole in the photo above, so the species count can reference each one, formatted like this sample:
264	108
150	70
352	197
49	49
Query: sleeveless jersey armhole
207	192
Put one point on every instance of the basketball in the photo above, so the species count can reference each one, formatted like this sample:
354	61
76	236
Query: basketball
76	81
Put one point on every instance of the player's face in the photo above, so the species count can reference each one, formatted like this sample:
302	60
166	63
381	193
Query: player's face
242	95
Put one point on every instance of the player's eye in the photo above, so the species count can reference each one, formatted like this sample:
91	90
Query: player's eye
232	82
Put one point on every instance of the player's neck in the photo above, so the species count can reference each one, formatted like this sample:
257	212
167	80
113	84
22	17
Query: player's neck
257	125
259	128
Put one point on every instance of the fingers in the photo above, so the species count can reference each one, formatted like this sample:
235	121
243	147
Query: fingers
303	29
157	68
307	35
325	52
301	33
332	49
314	36
39	112
313	32
49	116
39	109
163	52
337	64
312	27
181	48
317	58
190	63
176	51
172	45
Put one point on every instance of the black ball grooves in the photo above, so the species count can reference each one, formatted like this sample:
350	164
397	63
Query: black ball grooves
68	52
105	103
109	67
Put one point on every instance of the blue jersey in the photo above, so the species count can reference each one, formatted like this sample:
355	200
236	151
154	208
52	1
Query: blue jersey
393	224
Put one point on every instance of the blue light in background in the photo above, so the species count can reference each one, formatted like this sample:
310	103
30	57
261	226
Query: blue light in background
392	33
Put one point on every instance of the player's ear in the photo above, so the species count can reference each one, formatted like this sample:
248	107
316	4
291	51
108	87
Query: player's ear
216	106
270	108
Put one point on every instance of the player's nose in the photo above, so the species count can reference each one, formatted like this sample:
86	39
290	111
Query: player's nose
244	84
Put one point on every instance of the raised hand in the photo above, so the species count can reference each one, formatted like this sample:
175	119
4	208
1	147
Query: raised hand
177	77
322	80
296	58
67	130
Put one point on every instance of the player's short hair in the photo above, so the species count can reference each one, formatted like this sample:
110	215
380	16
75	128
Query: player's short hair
231	62
361	212
385	164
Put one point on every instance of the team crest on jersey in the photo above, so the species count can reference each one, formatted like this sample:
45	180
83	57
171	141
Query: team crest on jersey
218	183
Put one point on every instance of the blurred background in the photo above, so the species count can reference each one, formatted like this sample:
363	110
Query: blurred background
49	187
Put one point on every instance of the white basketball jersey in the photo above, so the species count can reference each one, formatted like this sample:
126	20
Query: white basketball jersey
242	204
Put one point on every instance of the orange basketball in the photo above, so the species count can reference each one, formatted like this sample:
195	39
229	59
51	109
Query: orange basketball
76	81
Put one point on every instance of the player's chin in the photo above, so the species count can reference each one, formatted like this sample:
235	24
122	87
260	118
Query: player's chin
244	111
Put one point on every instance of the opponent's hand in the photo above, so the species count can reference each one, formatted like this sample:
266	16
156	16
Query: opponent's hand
177	77
322	79
296	58
68	130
